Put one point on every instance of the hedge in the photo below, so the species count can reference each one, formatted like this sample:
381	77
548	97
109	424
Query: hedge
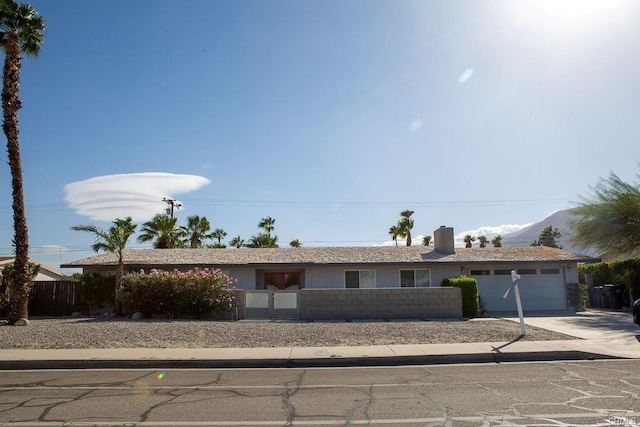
469	288
197	292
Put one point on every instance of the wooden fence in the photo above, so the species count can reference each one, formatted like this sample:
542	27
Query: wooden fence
54	298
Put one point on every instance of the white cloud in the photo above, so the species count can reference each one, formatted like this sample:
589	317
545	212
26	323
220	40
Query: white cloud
138	195
490	231
48	249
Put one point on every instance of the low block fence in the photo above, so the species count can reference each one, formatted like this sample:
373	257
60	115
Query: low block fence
385	303
380	303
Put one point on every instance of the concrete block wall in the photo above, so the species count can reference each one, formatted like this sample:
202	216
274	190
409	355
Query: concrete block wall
385	303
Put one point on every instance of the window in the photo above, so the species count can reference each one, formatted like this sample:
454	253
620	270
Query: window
549	271
480	272
282	280
502	272
415	278
526	271
360	279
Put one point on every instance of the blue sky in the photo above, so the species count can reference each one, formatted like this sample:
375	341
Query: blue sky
330	116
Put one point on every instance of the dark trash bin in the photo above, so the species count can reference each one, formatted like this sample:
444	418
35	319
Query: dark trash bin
613	297
636	312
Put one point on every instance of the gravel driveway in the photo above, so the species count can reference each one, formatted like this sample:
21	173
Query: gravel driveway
90	332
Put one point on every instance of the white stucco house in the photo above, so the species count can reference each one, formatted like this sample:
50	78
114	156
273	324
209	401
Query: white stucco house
545	272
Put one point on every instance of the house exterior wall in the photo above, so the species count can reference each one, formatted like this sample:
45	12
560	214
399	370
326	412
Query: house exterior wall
246	277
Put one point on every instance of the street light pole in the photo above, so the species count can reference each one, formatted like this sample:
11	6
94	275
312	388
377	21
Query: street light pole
173	203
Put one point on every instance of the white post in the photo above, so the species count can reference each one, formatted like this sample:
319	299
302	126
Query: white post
523	328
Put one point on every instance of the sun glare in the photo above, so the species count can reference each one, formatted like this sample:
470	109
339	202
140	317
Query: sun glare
566	13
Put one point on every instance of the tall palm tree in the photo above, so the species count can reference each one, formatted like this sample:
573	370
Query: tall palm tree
237	242
483	241
295	243
196	232
469	239
268	224
426	240
113	241
395	231
497	241
163	231
406	224
22	31
219	234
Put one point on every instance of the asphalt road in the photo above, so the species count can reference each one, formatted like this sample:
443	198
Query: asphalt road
535	394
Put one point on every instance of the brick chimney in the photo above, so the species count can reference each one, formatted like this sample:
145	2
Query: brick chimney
443	240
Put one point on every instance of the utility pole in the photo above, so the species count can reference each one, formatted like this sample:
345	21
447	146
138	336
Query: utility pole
173	204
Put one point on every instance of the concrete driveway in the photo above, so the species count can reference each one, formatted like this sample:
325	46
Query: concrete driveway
591	325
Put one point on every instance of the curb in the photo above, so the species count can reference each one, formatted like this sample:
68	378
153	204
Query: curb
335	362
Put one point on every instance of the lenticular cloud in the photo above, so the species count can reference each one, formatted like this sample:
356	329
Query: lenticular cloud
138	195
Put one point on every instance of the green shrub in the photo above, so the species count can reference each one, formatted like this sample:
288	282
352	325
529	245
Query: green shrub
624	273
96	291
469	288
198	292
6	284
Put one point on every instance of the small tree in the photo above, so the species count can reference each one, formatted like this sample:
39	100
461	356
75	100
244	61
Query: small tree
426	240
497	241
113	241
548	237
295	243
483	240
468	240
395	231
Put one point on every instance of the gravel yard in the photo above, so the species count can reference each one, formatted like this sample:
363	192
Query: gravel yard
90	332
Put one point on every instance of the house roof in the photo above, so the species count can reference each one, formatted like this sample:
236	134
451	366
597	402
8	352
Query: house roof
371	255
45	273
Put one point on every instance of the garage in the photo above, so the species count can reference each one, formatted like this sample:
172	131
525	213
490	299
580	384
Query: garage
541	289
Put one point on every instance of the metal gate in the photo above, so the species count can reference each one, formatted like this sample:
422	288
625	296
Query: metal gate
270	304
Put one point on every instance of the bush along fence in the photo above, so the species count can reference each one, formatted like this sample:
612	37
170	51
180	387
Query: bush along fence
469	288
624	274
197	292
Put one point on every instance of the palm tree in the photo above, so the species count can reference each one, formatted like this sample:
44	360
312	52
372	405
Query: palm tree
395	231
219	234
237	242
609	220
469	239
263	240
426	240
268	224
497	241
406	224
295	243
196	231
483	241
22	31
163	231
548	237
113	241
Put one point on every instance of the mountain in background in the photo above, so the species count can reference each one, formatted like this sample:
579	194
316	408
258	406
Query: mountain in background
559	220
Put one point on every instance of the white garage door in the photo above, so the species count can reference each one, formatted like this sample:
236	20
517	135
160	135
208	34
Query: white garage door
541	289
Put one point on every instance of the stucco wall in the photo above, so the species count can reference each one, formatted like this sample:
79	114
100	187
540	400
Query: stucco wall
401	303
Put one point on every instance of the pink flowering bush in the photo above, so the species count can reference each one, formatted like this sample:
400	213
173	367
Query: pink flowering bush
197	292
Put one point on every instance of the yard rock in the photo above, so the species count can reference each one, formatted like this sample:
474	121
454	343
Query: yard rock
21	322
136	316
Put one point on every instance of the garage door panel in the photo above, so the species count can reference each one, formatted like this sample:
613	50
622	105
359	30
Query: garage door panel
537	291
